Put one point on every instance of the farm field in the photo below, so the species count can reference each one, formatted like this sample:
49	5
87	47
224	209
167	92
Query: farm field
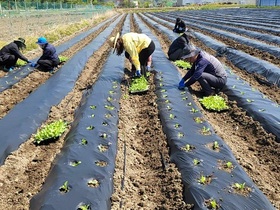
141	171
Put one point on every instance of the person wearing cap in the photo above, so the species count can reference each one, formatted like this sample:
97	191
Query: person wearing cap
180	26
175	51
10	53
49	58
206	69
138	49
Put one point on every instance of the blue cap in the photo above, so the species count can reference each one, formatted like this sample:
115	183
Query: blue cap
42	40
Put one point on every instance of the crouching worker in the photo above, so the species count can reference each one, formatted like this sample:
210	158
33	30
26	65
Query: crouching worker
138	49
49	58
10	53
180	26
175	51
206	69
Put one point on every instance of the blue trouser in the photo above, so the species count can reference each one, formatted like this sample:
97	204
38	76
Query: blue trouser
208	81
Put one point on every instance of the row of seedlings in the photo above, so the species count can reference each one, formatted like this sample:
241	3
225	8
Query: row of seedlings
211	176
254	102
82	176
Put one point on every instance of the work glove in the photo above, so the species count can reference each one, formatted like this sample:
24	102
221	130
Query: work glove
181	85
33	64
138	73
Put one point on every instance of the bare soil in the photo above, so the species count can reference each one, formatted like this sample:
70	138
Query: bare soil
144	176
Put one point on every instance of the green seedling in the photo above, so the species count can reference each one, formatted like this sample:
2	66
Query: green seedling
103	135
84	141
180	135
239	186
177	125
261	110
194	110
160	84
111	92
109	98
214	103
75	163
205	131
50	131
185	98
108	115
213	204
216	145
93	107
105	123
84	207
62	58
249	100
187	148
167	101
65	187
115	86
190	103
103	148
182	64
163	90
202	179
196	161
164	96
171	116
93	183
183	92
90	127
92	116
228	164
109	107
168	107
198	120
139	84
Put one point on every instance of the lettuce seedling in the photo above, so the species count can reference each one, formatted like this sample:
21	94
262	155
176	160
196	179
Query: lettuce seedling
84	207
182	64
50	131
65	187
62	58
138	85
214	103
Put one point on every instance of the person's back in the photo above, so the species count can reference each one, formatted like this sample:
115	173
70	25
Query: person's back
175	50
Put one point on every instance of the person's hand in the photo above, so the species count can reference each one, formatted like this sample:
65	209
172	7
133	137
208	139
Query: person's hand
33	64
138	73
181	85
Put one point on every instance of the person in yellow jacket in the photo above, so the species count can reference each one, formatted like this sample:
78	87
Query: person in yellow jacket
138	49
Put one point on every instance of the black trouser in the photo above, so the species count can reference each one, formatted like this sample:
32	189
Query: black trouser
9	61
143	55
47	65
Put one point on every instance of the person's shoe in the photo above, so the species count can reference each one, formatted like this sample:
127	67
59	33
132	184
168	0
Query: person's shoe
8	69
51	71
138	73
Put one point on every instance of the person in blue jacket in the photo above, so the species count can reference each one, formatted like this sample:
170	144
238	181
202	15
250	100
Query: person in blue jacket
206	69
10	53
49	58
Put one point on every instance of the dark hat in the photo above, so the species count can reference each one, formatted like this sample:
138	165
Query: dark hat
190	51
21	42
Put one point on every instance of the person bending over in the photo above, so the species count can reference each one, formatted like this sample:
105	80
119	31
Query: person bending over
206	69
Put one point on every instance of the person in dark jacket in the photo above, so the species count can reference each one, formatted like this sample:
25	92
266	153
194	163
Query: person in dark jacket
49	58
180	26
10	53
206	69
175	50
